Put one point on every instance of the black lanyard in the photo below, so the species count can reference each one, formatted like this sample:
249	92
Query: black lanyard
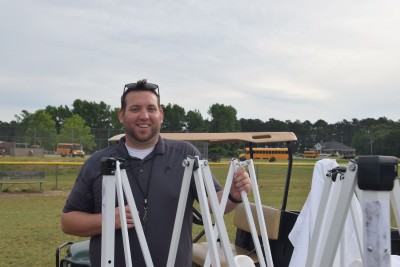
145	193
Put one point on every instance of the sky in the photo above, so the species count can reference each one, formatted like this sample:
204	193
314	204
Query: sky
286	60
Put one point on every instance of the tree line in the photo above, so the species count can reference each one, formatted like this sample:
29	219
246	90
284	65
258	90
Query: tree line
91	124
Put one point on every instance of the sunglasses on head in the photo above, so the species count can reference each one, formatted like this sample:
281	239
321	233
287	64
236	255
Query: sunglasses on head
142	86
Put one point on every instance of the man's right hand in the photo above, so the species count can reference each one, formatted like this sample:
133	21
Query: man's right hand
129	218
88	224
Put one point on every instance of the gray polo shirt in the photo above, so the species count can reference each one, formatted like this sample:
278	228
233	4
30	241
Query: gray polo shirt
158	178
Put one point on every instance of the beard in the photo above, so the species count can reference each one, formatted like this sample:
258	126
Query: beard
142	135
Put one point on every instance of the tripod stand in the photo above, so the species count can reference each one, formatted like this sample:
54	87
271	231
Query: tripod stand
202	175
115	180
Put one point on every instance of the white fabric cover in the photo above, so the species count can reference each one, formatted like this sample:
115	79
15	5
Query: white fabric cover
300	236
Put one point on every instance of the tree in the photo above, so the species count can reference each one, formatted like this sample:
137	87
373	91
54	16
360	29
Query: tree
361	141
273	125
8	131
95	115
23	118
114	120
322	131
59	115
379	133
252	125
174	118
40	130
302	131
75	130
98	117
376	136
223	119
345	130
195	122
391	145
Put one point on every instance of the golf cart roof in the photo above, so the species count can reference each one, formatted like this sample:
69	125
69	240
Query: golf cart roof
251	137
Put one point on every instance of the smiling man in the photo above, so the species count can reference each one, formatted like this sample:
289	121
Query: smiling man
154	169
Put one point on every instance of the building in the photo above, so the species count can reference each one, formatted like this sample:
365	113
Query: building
19	149
336	148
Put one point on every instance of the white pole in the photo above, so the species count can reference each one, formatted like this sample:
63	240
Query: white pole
376	212
357	223
260	215
395	202
222	204
253	229
205	211
108	221
122	213
136	219
338	206
218	214
180	211
377	178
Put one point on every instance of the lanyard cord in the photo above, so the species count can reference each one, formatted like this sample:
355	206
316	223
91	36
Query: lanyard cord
144	193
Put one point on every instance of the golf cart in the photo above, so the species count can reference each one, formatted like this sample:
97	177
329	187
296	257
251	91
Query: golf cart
77	252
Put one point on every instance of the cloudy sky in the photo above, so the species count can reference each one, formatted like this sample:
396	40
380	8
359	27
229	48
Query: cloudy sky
287	60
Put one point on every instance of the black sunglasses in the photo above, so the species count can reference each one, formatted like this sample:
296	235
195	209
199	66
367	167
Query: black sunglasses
142	86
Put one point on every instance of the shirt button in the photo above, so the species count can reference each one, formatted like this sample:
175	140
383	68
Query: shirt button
141	171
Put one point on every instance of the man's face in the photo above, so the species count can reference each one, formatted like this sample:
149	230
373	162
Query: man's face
141	119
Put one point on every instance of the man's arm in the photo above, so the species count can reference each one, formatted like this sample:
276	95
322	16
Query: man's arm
87	224
229	204
81	223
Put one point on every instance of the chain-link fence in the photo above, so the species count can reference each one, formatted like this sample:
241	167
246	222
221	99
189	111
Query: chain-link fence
19	140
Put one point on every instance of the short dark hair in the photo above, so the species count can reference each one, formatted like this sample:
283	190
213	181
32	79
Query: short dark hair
141	85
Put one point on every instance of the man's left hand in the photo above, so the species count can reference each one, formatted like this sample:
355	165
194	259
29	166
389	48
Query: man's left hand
241	182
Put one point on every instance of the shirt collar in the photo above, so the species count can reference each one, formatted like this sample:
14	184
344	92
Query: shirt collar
159	149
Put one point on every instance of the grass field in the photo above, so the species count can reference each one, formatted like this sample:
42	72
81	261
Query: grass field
30	220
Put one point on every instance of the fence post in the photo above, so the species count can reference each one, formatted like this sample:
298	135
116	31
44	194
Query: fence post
56	176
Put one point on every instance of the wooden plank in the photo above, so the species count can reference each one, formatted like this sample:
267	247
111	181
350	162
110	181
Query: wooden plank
21	182
30	177
21	175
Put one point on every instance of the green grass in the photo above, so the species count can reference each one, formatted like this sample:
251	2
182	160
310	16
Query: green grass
30	220
30	230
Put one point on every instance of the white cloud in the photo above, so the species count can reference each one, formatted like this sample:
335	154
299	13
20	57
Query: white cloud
304	60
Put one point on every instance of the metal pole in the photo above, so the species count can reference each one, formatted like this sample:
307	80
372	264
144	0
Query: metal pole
376	176
57	177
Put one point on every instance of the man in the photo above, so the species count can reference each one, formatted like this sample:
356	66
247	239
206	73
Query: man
155	172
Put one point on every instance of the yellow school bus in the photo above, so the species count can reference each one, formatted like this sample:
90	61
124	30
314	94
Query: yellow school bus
311	154
70	149
278	153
